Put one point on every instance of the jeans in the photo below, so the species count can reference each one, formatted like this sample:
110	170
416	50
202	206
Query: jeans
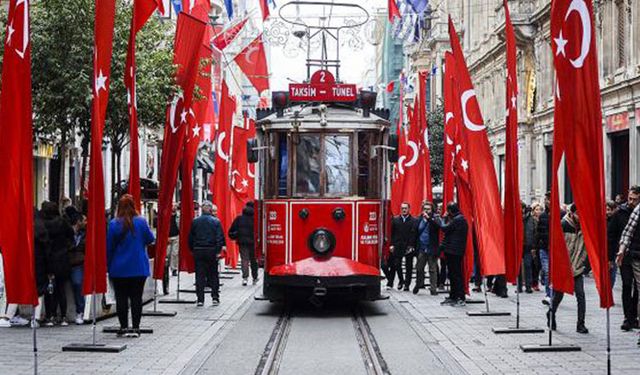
527	263
579	293
129	290
432	261
206	274
248	256
613	274
77	274
629	293
544	269
456	280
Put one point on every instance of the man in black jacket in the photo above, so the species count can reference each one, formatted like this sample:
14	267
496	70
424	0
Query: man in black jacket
542	244
403	241
241	231
206	240
454	245
615	227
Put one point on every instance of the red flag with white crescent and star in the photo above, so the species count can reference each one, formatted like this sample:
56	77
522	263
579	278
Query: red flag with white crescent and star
252	60
95	264
448	177
513	224
242	178
487	209
394	13
142	10
397	174
579	115
226	37
16	159
190	35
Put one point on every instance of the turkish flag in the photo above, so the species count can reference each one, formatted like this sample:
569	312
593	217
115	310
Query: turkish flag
393	11
95	264
242	174
579	116
16	160
455	175
142	10
222	40
264	8
253	62
220	186
190	35
513	224
487	209
397	174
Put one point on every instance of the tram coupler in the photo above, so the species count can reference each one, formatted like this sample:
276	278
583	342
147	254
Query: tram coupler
319	291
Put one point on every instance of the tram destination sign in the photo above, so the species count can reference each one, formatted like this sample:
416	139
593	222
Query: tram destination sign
322	88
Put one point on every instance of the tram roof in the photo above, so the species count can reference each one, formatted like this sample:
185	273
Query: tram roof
310	116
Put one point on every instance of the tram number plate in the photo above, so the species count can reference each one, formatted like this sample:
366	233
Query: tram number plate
322	88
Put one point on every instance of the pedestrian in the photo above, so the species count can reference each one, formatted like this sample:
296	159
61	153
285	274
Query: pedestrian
206	241
611	208
128	263
542	243
58	269
620	199
578	255
174	232
529	226
428	249
403	240
628	257
242	232
536	266
76	261
454	245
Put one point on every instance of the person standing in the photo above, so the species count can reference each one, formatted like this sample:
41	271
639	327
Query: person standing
526	275
629	254
174	232
128	263
403	240
615	227
542	244
611	208
242	232
76	261
454	245
58	270
536	267
428	249
578	256
206	240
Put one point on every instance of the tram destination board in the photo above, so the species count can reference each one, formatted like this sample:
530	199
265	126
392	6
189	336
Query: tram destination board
322	88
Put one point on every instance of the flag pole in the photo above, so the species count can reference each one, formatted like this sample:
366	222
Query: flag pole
155	311
608	343
178	300
34	327
517	328
486	304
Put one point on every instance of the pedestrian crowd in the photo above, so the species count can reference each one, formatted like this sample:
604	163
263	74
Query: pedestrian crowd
439	240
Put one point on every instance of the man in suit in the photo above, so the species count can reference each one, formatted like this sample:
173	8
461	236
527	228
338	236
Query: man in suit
403	240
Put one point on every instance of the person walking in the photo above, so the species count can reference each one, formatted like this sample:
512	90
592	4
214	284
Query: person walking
242	232
76	261
206	241
57	266
174	232
526	275
578	256
128	263
615	227
454	245
428	250
403	240
630	245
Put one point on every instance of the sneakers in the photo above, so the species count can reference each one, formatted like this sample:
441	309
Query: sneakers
459	303
447	301
19	321
215	302
528	291
64	322
79	320
244	282
477	289
582	329
255	281
134	333
5	323
121	332
49	323
546	301
35	324
199	304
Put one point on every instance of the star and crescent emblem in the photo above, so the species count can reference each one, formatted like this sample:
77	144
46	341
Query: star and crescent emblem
579	7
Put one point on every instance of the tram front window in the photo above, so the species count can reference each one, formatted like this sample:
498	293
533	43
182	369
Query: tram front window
308	164
337	164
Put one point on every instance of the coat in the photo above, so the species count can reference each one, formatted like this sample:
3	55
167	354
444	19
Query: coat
432	247
455	235
529	233
127	250
206	235
575	244
615	226
61	239
40	250
403	233
542	231
241	229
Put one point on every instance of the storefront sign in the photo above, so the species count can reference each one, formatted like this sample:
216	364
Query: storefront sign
43	151
618	122
322	88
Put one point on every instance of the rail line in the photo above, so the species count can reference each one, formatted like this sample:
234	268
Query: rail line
371	354
272	356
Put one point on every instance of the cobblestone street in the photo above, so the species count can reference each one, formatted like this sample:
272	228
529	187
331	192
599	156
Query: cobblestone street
414	334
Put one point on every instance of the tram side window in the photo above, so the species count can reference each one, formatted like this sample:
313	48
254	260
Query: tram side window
308	164
283	165
337	164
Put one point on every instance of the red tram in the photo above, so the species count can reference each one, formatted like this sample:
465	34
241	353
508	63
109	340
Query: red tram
322	184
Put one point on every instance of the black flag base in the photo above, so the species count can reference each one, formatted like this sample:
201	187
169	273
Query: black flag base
115	329
516	330
94	348
178	301
488	313
474	301
159	313
546	348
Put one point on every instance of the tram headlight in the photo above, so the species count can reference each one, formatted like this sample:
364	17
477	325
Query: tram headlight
322	241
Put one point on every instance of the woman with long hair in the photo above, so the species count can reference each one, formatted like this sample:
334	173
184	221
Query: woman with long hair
128	262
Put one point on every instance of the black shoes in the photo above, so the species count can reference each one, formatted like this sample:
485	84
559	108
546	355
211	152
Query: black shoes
528	291
447	301
477	289
626	326
416	289
406	288
434	293
400	286
582	329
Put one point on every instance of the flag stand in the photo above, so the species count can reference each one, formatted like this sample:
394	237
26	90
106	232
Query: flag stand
517	328
550	347
178	300
34	327
486	303
93	347
155	311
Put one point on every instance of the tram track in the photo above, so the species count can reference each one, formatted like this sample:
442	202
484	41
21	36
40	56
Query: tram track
273	355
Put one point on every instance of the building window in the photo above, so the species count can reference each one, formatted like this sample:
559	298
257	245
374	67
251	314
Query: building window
428	93
620	45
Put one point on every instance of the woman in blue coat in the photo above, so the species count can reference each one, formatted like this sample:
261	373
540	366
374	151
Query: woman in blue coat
128	262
